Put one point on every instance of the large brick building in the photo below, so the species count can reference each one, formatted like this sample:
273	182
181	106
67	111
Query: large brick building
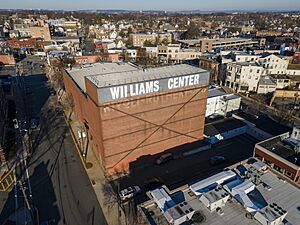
132	112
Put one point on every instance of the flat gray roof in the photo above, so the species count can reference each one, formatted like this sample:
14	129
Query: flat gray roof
266	80
214	92
98	69
284	194
111	74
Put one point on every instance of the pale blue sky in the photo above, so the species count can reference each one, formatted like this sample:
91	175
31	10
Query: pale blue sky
153	4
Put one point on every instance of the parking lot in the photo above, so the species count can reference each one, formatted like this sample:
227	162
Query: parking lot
189	169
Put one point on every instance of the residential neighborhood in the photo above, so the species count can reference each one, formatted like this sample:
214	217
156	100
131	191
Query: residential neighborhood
149	116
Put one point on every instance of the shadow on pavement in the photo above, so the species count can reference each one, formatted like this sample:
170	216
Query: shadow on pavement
44	196
43	199
182	169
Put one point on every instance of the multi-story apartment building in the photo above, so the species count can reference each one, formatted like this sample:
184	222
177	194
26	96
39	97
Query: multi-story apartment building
243	76
174	53
244	72
139	39
161	37
274	64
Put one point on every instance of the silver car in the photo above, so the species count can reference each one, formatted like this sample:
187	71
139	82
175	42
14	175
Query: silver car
129	192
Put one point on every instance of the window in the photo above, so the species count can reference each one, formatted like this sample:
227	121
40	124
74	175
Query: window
251	70
288	174
257	71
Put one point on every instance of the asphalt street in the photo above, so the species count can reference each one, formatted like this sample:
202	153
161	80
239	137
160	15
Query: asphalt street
60	186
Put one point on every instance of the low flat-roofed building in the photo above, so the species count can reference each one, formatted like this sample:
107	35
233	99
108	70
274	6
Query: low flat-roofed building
212	182
221	103
275	202
293	70
282	80
282	153
266	85
263	123
215	198
224	129
175	214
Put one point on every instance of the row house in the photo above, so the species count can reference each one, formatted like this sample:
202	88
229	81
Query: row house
243	76
274	64
243	73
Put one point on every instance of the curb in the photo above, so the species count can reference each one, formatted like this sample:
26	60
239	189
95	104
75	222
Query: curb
76	144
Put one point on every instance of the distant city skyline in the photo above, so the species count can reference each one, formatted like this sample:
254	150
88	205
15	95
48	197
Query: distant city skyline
169	5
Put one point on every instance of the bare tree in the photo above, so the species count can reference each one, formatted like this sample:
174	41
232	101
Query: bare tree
70	104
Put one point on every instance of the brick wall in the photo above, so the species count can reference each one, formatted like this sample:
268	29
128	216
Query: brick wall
261	154
121	132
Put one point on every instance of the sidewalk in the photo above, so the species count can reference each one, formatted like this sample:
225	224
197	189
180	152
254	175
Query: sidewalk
106	196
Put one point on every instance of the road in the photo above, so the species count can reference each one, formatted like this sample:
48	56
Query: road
61	189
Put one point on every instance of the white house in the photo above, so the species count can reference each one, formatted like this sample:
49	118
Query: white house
243	76
218	102
266	85
274	64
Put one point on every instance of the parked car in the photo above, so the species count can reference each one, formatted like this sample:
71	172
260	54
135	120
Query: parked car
216	160
129	193
164	158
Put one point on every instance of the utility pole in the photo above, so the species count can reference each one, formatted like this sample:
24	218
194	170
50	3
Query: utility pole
25	196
